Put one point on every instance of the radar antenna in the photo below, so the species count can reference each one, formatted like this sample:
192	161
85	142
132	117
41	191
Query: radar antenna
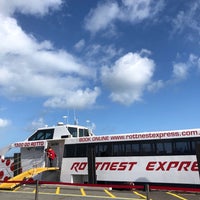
65	119
75	119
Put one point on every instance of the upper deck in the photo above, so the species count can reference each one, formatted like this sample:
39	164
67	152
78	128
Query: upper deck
60	131
159	135
54	133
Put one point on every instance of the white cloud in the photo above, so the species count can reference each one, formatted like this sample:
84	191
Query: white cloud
188	18
32	68
79	45
155	86
26	7
100	17
105	14
38	123
4	122
138	10
104	53
128	77
77	99
194	60
198	63
35	124
181	70
13	39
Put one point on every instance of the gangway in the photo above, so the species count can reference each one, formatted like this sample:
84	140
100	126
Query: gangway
24	176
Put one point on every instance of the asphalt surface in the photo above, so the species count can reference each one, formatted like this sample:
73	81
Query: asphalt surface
55	192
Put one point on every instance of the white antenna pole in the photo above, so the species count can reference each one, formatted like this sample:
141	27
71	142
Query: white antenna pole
88	123
75	119
65	119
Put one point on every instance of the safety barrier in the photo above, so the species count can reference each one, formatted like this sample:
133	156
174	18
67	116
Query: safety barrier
113	186
146	187
29	174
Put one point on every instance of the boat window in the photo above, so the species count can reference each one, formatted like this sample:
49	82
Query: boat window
81	150
75	150
69	151
119	149
42	135
136	148
163	148
181	147
194	145
83	132
132	149
104	149
147	148
86	132
73	131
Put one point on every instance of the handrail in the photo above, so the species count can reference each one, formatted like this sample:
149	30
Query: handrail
113	186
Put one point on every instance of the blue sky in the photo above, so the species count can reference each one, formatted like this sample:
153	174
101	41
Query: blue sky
122	66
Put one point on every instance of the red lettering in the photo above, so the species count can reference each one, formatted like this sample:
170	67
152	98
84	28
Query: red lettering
84	139
82	166
106	165
97	164
101	138
166	166
188	133
122	166
161	166
184	166
114	165
195	166
75	166
131	165
150	166
19	144
172	165
32	144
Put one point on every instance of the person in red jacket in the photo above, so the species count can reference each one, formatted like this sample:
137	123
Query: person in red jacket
51	155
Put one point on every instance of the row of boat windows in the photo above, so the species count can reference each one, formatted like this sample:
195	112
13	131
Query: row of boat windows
140	148
48	134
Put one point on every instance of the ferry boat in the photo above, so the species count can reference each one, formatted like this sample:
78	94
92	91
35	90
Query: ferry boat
150	157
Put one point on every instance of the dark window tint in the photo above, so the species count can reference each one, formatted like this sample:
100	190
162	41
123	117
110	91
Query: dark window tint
147	148
73	131
119	149
81	150
83	132
105	149
163	148
69	151
75	150
136	148
182	147
42	135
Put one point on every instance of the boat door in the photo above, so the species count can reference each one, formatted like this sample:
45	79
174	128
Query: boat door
58	147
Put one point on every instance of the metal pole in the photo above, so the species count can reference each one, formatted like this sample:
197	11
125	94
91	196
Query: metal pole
36	190
198	156
147	191
91	165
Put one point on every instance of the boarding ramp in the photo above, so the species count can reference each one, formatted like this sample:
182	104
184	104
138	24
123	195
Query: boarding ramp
12	183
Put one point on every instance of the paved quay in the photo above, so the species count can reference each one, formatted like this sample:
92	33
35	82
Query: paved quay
46	192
